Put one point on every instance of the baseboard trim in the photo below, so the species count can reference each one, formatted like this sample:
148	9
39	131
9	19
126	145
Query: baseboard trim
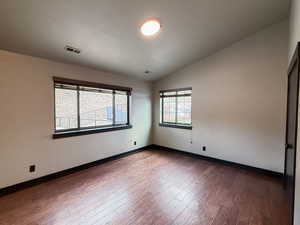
30	183
20	186
224	162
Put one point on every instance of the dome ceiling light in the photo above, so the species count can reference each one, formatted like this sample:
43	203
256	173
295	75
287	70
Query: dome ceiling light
150	27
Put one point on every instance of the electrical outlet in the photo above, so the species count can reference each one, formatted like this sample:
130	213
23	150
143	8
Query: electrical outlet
134	143
32	168
204	148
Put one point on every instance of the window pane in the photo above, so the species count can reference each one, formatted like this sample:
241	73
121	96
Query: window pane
91	89
169	93
65	86
184	92
95	108
160	110
169	110
121	108
65	108
184	109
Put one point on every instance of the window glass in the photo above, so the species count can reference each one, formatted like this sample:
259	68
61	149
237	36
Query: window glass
184	110
169	93
65	108
169	110
160	109
80	107
184	92
96	109
121	108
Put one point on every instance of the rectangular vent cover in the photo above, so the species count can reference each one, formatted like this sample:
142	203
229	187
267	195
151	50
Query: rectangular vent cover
72	49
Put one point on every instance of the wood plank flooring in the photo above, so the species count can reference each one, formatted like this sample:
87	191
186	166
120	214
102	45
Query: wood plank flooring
151	187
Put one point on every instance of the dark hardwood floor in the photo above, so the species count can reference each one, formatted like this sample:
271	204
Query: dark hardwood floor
151	187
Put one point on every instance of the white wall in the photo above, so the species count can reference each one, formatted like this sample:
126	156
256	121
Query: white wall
294	26
27	119
294	39
238	102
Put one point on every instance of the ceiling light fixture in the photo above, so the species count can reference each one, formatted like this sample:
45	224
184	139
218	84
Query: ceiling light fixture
150	27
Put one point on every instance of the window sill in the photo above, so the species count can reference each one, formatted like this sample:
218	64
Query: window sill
187	127
65	134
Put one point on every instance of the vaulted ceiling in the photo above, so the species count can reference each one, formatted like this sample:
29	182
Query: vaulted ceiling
107	31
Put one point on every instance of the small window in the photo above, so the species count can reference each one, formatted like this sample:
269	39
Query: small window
176	108
84	107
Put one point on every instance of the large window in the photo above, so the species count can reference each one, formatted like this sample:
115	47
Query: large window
176	108
82	107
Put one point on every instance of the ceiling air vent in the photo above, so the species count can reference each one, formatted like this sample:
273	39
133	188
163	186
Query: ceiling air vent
72	49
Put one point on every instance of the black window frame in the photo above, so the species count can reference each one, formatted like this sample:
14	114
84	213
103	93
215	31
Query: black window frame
91	129
162	96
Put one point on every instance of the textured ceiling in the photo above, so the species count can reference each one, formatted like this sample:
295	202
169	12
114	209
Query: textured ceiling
107	31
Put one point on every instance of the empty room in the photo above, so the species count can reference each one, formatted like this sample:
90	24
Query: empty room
163	112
